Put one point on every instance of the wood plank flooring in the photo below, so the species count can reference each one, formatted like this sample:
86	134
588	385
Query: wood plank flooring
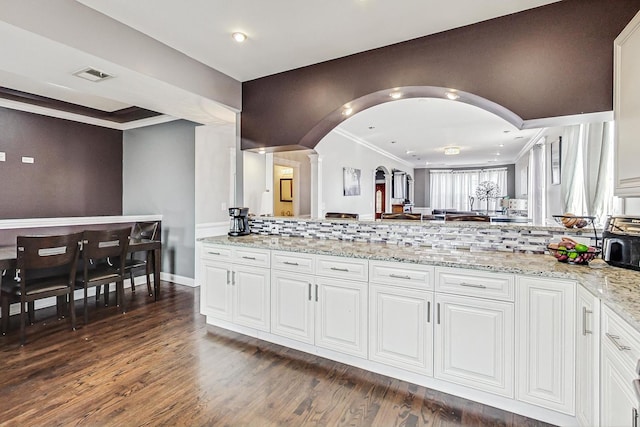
158	365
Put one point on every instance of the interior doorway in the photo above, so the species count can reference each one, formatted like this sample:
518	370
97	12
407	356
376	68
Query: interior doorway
381	199
379	202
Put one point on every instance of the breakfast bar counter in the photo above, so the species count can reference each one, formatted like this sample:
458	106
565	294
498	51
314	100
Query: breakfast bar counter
616	287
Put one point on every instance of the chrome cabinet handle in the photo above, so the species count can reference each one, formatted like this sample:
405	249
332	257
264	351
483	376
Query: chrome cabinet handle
397	276
340	269
585	312
228	276
249	257
428	311
309	291
614	339
634	417
472	285
213	253
233	278
316	293
438	312
290	263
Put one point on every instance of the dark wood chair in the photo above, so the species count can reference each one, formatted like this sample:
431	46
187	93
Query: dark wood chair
403	216
103	259
464	217
47	268
342	215
141	231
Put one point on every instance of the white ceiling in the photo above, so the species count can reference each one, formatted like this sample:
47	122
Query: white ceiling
287	34
283	35
417	130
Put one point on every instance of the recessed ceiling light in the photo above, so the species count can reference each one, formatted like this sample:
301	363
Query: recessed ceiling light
92	74
451	151
410	151
239	37
396	94
498	153
347	111
261	151
501	145
452	95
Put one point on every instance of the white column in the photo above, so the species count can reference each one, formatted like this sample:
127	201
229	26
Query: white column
267	198
316	185
387	191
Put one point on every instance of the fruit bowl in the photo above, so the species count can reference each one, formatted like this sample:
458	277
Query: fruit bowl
572	252
573	221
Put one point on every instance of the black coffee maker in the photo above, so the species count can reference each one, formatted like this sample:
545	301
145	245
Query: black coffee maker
238	222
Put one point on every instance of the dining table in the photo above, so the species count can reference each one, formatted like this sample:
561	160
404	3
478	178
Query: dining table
8	258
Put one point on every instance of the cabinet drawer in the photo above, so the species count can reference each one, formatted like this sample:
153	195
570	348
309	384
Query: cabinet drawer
475	283
402	274
342	267
292	261
254	257
216	252
620	337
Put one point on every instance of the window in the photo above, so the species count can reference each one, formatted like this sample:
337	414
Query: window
456	189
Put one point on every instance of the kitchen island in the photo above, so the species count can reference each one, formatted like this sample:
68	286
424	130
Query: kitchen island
519	331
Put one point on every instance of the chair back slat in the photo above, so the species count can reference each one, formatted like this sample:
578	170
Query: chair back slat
39	252
99	244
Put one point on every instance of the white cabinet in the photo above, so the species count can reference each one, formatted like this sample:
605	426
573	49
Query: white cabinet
474	343
401	325
474	329
587	359
215	292
293	305
620	350
341	315
236	285
545	316
627	109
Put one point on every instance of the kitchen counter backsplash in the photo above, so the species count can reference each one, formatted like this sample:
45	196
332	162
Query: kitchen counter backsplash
473	236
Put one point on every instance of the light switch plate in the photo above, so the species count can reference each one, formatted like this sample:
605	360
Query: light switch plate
3	156
27	160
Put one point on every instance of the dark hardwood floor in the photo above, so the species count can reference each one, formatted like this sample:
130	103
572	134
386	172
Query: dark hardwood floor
158	365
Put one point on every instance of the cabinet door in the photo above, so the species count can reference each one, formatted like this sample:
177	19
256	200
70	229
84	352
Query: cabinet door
626	105
215	292
292	305
618	399
251	296
474	343
587	358
341	315
545	310
401	327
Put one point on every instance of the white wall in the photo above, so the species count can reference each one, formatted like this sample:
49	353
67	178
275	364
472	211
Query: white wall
337	152
157	177
254	181
214	173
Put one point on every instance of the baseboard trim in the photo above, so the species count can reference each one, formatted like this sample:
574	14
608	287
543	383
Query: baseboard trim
177	279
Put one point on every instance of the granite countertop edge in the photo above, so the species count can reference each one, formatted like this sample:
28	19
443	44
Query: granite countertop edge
615	287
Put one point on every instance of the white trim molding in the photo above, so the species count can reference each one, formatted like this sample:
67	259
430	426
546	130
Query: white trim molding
8	224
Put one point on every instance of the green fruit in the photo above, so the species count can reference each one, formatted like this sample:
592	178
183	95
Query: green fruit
562	248
573	255
581	248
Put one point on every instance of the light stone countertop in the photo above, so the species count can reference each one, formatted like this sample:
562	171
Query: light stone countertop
616	287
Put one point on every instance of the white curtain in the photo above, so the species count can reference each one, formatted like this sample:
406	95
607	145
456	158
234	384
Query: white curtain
451	189
587	170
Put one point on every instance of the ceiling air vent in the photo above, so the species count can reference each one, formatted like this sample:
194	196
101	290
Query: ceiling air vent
92	74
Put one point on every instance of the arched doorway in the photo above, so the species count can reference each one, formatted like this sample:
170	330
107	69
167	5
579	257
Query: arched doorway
381	195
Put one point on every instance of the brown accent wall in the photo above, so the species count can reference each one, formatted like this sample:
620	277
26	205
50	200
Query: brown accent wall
550	61
77	169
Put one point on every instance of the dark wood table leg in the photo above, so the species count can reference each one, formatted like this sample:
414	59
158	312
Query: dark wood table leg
157	261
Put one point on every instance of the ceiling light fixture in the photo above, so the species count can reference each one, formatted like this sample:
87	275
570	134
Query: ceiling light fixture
451	151
261	151
239	37
410	151
347	111
396	95
452	95
92	74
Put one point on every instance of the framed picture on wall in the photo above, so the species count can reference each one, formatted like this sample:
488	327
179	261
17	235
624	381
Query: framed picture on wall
351	181
556	160
286	190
